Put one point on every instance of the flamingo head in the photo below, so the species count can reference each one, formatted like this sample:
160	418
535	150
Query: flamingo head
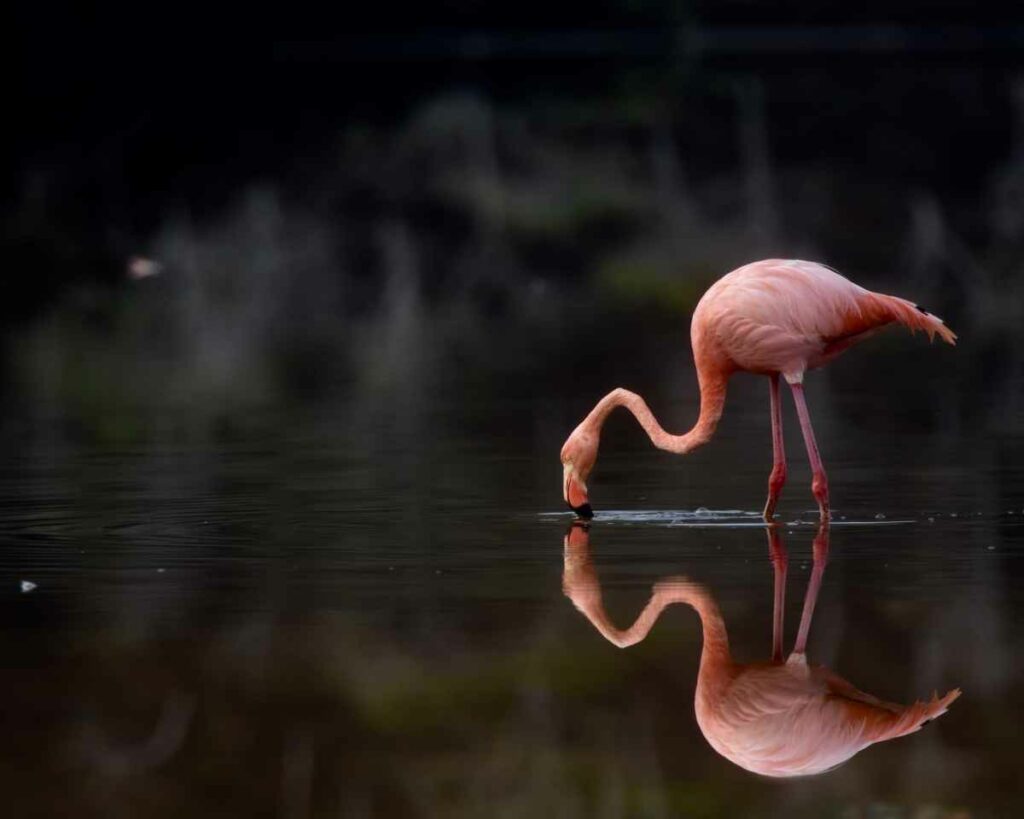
579	454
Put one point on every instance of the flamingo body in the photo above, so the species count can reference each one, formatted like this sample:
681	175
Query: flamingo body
776	317
774	718
789	316
799	720
784	719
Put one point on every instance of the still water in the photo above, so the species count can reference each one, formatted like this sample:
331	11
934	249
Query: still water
320	608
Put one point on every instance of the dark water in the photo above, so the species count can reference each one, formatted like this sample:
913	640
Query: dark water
335	608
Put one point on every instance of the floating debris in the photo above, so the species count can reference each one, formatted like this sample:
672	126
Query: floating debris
879	516
28	585
673	517
142	268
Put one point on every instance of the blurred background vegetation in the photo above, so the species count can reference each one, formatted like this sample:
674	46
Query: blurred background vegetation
372	197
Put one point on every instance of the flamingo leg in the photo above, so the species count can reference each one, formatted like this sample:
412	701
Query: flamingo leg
819	481
813	587
777	552
778	477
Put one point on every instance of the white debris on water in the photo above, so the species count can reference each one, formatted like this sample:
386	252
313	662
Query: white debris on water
140	267
879	516
673	517
28	585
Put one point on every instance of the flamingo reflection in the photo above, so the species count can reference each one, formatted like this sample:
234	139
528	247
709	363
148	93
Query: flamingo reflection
778	718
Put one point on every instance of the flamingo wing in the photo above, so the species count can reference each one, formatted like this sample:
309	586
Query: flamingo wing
790	315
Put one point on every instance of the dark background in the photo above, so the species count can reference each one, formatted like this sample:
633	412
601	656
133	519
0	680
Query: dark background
351	194
291	507
125	117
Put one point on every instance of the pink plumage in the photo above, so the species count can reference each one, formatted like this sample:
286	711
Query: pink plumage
795	719
774	718
788	316
775	317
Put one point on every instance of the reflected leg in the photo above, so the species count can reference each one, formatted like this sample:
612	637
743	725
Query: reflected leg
813	587
819	481
780	561
778	477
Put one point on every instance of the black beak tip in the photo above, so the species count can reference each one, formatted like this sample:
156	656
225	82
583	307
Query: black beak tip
583	511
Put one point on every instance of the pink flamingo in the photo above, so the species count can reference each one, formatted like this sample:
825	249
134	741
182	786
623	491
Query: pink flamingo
773	317
777	718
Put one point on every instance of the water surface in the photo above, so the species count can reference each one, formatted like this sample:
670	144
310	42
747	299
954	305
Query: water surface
316	610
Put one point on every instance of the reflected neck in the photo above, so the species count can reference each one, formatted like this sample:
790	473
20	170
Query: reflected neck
716	665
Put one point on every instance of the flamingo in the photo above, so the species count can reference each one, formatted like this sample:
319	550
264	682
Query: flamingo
780	718
774	317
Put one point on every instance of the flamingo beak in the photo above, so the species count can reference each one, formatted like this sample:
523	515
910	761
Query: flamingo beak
575	493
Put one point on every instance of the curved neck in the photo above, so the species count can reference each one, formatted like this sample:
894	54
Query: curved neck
715	656
715	653
712	401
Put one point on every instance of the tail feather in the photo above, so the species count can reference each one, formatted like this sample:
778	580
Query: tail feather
910	718
916	318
